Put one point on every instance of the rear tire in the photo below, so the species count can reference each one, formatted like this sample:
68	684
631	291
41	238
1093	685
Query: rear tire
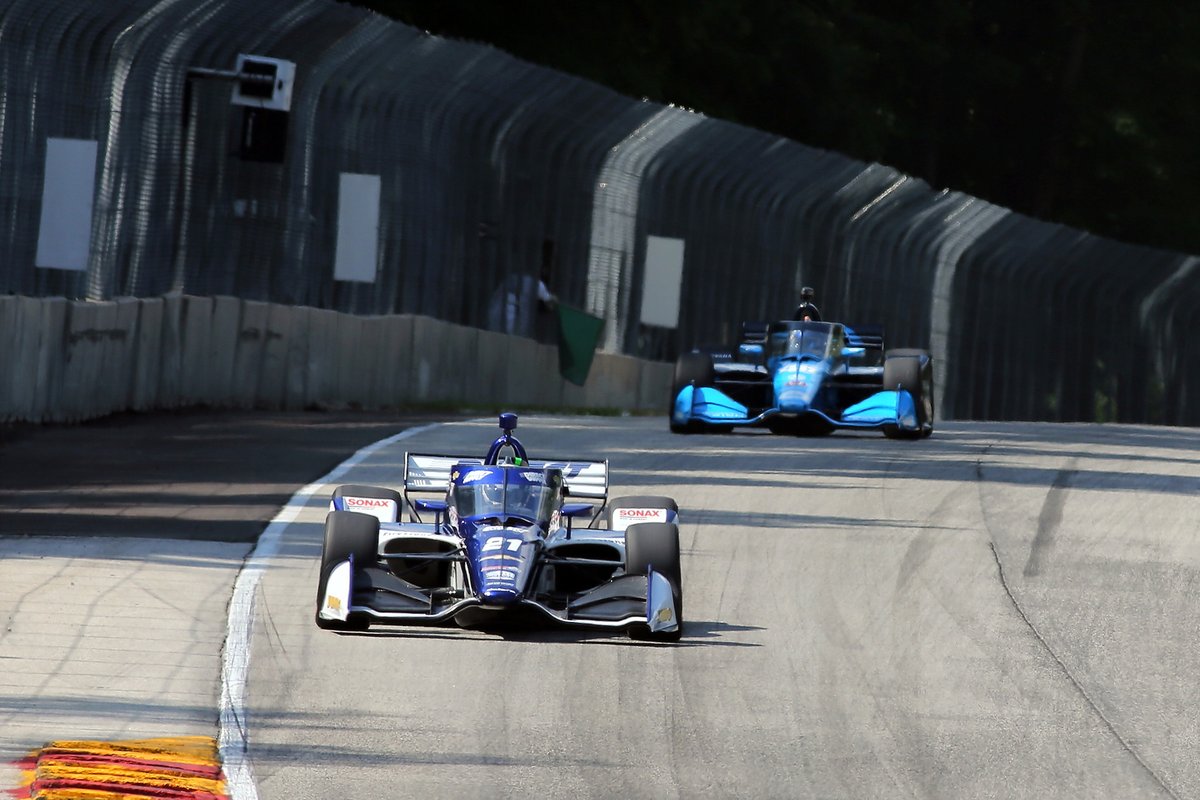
347	534
657	544
911	370
691	369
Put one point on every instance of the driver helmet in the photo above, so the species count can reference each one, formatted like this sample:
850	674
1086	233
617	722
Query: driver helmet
492	493
522	496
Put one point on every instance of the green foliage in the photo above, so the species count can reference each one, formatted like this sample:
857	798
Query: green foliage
1082	112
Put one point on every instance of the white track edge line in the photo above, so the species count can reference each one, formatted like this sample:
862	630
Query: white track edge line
233	737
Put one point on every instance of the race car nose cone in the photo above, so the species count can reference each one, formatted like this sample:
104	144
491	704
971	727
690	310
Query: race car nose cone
499	597
796	385
501	581
793	401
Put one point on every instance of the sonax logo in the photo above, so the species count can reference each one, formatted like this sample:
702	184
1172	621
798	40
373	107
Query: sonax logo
642	514
367	502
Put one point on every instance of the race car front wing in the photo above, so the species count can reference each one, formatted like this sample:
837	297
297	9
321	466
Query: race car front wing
714	407
622	602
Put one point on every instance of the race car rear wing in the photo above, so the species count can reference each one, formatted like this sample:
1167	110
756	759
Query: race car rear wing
754	332
868	336
586	480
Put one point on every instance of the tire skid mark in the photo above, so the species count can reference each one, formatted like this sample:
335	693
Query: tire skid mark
1087	698
173	768
1064	475
1050	518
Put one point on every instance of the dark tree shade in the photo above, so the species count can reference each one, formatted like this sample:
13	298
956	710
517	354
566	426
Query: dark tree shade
1082	112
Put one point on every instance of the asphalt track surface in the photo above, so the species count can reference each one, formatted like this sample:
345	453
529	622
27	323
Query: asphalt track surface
120	542
1001	611
1004	610
197	475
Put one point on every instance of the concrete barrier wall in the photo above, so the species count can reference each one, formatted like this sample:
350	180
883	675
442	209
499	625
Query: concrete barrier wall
69	361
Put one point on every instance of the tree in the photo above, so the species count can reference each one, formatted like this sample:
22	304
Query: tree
1081	112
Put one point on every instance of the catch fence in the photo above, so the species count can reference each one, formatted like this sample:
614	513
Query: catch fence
412	174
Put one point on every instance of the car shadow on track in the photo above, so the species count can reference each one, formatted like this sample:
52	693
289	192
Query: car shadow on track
699	633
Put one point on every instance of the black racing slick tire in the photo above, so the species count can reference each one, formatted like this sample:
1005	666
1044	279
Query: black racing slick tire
691	369
638	501
347	533
358	492
657	544
912	371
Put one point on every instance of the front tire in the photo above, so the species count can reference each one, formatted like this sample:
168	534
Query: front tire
911	370
691	369
656	544
639	501
348	534
349	493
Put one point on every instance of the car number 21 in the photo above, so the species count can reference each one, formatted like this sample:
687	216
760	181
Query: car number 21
498	543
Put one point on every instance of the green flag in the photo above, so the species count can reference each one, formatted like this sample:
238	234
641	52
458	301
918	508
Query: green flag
578	333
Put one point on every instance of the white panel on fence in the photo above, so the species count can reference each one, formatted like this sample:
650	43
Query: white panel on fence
67	191
663	282
358	228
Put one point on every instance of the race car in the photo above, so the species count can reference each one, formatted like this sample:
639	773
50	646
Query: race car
807	378
502	547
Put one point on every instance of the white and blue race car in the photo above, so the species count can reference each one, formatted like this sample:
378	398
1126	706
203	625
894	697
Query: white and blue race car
805	377
502	546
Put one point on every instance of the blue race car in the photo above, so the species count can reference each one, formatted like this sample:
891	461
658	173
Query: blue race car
501	548
806	378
